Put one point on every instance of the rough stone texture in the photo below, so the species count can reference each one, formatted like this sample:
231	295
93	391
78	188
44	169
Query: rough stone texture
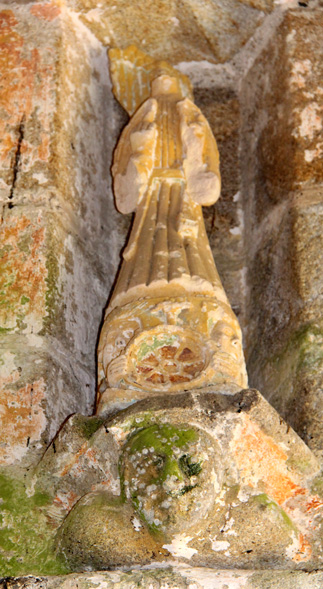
52	152
140	480
151	466
224	220
173	30
54	188
283	204
175	577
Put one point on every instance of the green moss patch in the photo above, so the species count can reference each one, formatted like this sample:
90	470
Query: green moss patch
155	468
264	500
157	342
26	536
164	439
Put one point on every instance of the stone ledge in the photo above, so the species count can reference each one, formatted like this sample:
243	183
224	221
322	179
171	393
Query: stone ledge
175	577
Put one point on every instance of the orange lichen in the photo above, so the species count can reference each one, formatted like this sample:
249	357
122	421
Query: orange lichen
304	552
25	86
45	11
262	463
66	500
314	503
22	416
43	149
24	272
77	461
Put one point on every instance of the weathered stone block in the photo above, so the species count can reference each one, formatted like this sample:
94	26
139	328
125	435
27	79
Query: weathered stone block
282	118
282	106
56	200
40	386
177	32
53	292
29	36
307	216
167	449
179	576
46	268
285	346
27	272
302	31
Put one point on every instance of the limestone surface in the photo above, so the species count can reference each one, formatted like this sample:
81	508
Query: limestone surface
61	239
157	335
204	478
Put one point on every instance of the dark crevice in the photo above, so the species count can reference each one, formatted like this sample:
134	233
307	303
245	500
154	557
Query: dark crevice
16	163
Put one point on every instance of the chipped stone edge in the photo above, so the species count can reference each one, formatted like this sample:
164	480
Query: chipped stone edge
177	576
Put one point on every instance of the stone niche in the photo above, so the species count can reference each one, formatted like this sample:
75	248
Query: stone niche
256	71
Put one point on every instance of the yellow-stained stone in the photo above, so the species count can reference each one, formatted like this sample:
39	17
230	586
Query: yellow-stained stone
169	325
177	30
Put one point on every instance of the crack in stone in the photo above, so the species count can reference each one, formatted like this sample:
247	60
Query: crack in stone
21	130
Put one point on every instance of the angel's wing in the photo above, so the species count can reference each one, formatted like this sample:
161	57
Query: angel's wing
134	157
200	155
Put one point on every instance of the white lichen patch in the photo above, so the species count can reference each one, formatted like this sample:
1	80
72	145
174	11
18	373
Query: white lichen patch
8	365
174	20
220	545
41	178
216	483
179	546
94	15
312	154
311	121
118	433
238	230
136	524
228	527
243	495
299	71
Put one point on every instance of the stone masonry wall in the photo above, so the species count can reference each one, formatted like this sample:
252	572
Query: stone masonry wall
60	241
282	140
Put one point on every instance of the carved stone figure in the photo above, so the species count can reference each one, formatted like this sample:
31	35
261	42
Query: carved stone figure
181	461
169	325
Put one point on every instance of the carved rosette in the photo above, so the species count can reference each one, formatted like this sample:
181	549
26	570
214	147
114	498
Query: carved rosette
156	346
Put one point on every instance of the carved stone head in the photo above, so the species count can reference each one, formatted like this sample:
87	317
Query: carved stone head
171	474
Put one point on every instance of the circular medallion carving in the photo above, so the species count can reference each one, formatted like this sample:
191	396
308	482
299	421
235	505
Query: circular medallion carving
166	358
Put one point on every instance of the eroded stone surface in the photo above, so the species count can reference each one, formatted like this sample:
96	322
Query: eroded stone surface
177	576
28	96
176	32
287	355
264	480
283	334
51	104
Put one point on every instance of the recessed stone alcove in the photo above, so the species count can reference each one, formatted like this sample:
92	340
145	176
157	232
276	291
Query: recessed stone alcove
256	69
